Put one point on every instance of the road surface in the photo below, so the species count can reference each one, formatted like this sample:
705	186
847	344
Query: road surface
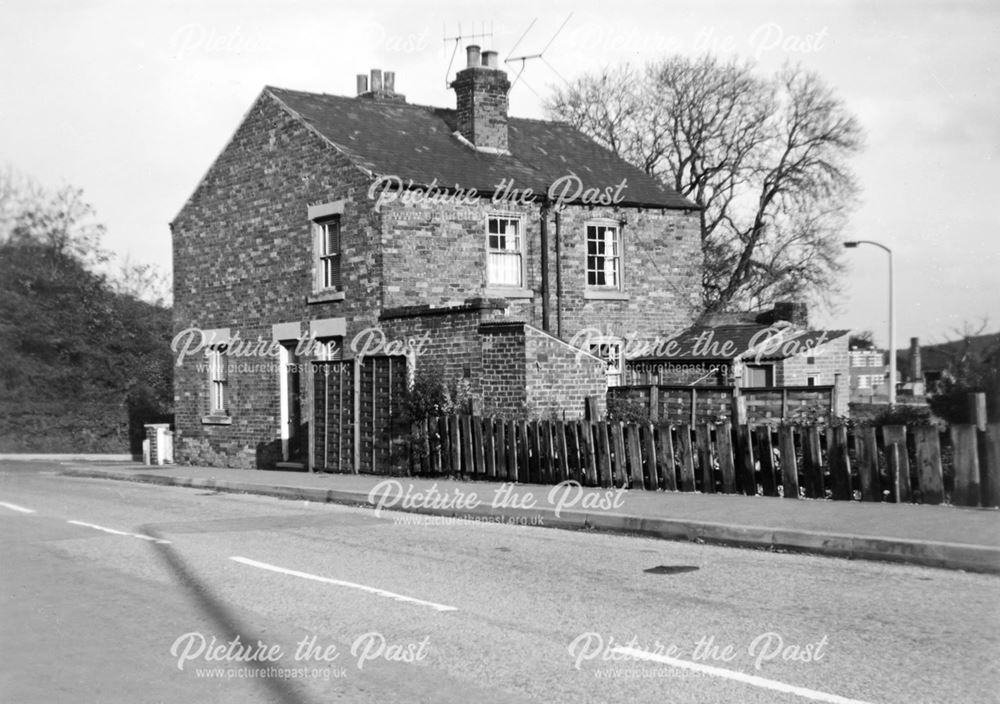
120	592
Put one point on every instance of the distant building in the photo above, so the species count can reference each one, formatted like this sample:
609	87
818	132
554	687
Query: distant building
869	373
753	349
924	367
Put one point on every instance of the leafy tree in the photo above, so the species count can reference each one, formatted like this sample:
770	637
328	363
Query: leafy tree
766	159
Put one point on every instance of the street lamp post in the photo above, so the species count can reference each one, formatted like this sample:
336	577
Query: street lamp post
892	318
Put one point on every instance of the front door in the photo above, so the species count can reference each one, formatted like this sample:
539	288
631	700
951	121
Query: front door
292	441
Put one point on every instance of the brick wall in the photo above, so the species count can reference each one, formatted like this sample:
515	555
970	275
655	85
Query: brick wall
243	259
661	265
504	371
829	364
560	377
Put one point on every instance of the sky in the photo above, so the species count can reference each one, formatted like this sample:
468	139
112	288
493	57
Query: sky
132	101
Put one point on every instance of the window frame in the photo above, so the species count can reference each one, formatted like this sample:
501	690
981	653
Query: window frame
619	257
218	381
329	265
768	369
519	252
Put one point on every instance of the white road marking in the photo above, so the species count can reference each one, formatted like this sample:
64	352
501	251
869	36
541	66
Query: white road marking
120	532
15	507
762	682
342	583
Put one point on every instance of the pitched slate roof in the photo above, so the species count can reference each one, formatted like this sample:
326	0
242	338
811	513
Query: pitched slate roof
417	142
703	342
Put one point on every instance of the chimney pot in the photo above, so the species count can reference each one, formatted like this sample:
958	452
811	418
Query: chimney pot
362	83
376	86
916	364
490	59
472	56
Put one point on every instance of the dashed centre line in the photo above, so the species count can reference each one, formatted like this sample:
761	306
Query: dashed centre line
342	583
15	507
120	532
761	682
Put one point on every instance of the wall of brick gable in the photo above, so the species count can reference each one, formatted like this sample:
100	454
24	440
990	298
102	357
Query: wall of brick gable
243	259
559	378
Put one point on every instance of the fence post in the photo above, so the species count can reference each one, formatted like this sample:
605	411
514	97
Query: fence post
651	459
704	438
654	402
634	456
765	454
977	410
739	408
603	454
789	466
686	458
724	444
840	464
964	445
896	434
929	464
813	457
990	469
746	469
867	445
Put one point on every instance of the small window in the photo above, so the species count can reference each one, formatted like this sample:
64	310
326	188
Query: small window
505	252
810	360
218	381
604	256
759	375
328	274
611	352
812	381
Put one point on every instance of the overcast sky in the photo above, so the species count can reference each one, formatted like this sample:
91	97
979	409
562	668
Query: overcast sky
132	101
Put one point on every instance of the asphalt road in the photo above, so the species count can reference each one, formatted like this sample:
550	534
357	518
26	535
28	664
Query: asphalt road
321	603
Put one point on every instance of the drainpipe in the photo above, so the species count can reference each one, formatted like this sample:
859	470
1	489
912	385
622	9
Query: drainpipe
545	262
558	234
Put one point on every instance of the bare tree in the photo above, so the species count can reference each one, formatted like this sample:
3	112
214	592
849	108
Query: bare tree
765	159
66	224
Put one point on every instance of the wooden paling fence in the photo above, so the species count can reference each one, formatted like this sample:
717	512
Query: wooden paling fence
892	463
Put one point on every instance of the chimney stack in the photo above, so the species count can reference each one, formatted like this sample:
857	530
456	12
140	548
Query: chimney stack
794	312
916	366
481	100
382	87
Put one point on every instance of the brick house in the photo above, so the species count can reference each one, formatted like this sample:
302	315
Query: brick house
381	229
751	350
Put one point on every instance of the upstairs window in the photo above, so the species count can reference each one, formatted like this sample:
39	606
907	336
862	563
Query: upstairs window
328	273
604	250
505	265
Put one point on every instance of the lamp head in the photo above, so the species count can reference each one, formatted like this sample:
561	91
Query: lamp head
850	245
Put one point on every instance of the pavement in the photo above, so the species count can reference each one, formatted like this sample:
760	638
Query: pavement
933	536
